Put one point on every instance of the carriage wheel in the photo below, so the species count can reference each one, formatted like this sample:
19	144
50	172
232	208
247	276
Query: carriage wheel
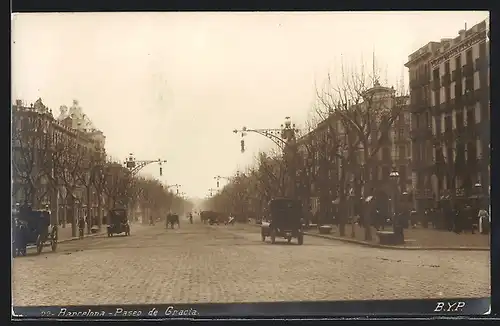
39	244
289	239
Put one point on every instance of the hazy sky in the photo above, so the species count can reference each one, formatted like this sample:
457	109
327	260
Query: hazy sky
175	85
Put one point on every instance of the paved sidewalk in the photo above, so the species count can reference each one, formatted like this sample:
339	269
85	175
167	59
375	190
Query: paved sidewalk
64	234
415	239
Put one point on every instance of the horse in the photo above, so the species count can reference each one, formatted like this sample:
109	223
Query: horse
173	219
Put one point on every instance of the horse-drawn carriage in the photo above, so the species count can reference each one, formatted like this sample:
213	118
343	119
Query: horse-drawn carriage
172	220
118	222
32	227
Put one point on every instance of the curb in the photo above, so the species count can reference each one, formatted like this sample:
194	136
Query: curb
72	239
76	238
376	245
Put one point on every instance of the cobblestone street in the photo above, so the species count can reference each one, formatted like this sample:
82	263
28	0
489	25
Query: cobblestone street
200	263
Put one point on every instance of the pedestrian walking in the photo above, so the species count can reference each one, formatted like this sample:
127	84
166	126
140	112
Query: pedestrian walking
483	221
81	227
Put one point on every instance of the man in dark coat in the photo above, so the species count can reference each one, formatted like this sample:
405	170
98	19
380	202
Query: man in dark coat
81	226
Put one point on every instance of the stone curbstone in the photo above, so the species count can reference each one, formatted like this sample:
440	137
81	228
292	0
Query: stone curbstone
376	245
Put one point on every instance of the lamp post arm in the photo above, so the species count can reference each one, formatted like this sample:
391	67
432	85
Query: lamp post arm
268	133
141	164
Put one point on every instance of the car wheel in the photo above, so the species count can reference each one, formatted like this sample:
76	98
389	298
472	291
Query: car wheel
273	236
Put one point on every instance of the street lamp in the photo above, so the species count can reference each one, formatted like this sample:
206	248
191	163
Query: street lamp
177	186
280	136
134	166
218	177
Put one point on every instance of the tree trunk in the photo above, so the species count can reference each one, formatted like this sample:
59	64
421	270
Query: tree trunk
73	217
65	213
99	212
90	218
365	206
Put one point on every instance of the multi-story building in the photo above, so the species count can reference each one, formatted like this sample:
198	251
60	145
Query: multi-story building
328	163
40	151
449	90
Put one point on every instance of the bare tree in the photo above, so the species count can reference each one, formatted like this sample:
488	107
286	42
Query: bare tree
30	141
271	168
367	112
70	160
117	184
89	163
98	179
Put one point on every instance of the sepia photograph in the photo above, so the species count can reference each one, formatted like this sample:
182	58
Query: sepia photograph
177	158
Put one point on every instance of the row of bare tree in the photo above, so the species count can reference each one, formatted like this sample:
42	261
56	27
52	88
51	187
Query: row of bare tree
60	167
353	119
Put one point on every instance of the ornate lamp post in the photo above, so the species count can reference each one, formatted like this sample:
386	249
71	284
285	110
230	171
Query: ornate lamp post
134	166
218	178
280	136
177	186
283	137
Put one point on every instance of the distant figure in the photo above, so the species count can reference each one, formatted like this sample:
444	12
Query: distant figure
81	227
191	218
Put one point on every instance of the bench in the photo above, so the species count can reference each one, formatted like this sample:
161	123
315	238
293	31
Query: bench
325	229
389	238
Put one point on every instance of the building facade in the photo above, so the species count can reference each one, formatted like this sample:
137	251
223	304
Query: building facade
330	168
449	90
42	147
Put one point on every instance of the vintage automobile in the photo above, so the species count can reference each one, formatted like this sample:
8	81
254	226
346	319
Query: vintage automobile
284	220
118	222
32	227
